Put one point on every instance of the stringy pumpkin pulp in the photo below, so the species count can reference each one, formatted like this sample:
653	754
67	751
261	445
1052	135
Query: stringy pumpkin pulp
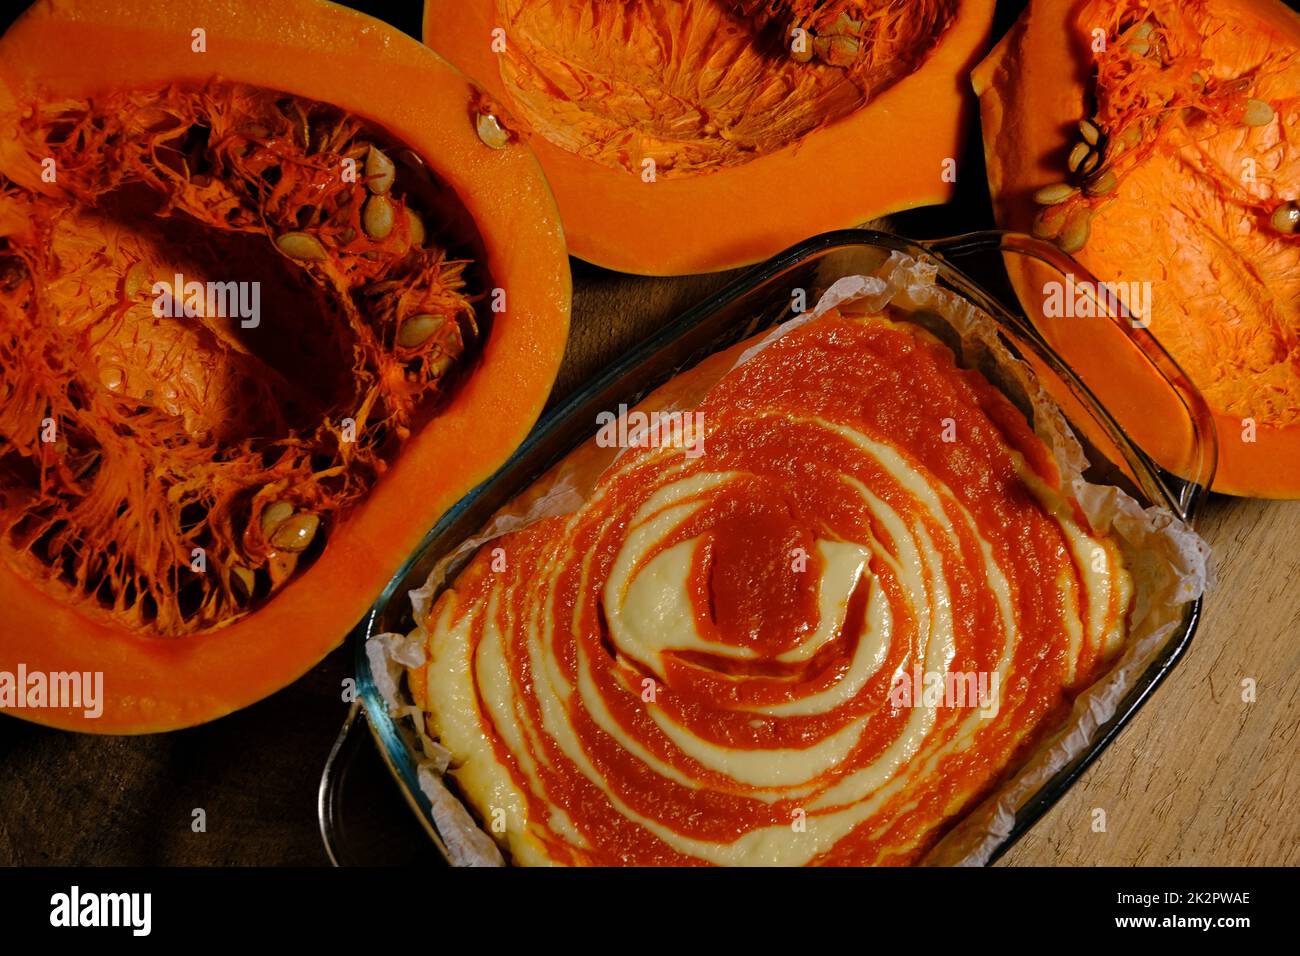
127	440
1197	106
698	85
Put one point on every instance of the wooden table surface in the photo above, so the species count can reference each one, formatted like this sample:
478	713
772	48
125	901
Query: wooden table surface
1198	777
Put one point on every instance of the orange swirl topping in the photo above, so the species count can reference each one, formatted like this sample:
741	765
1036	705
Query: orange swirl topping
817	638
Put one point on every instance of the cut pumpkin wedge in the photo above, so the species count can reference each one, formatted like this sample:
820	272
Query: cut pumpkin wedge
696	135
413	320
1182	192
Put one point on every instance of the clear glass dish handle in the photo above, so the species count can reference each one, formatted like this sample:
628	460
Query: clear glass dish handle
328	798
1182	492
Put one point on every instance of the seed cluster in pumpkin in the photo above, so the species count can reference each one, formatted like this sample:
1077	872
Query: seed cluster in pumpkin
699	85
195	461
829	31
1151	81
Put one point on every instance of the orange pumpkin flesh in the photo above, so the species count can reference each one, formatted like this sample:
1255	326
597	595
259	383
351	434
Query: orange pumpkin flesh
1192	212
752	149
165	672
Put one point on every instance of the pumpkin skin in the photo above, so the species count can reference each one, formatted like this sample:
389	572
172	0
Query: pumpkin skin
885	156
1225	285
318	51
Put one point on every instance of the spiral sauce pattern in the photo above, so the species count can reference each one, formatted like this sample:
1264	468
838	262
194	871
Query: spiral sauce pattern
703	663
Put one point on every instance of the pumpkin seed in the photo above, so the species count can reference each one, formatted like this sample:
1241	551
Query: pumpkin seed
1090	163
112	377
280	566
803	53
1198	81
301	125
136	277
1048	222
415	225
454	345
380	171
1077	155
300	245
347	235
843	51
153	119
241	583
1257	113
274	515
1286	218
1056	192
417	330
377	217
1141	41
296	533
846	24
1074	233
1129	137
1101	185
491	132
1090	132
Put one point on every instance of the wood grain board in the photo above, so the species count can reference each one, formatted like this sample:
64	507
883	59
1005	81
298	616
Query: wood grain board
1199	776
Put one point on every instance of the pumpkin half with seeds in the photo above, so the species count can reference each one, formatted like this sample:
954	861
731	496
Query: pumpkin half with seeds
269	306
685	136
1159	143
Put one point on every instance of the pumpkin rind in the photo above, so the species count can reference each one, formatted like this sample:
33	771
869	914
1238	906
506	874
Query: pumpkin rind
1033	89
315	50
886	156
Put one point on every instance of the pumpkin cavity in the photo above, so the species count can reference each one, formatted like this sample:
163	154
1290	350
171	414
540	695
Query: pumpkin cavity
166	457
1184	173
698	85
1199	104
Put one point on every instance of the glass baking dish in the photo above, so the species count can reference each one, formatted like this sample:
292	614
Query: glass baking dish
763	297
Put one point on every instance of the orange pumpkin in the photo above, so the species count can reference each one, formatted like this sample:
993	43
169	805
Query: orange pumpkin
1182	188
200	508
685	136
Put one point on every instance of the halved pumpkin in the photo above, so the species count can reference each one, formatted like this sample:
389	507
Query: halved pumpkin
685	136
1182	186
198	505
